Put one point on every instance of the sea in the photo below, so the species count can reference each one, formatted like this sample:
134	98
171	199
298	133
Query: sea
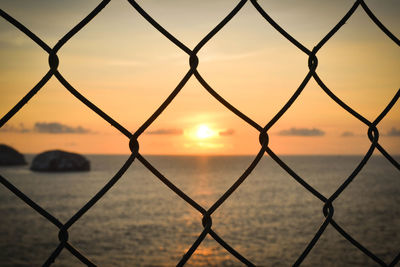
269	219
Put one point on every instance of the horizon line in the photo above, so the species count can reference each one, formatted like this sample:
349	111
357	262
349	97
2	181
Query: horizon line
213	155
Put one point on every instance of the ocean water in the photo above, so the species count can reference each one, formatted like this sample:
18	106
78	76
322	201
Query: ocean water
270	219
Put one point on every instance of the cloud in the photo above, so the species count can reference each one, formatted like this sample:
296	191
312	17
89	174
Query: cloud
227	132
347	134
302	132
394	132
46	127
58	128
171	131
15	129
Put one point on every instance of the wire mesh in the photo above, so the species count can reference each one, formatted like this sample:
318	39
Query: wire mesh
327	202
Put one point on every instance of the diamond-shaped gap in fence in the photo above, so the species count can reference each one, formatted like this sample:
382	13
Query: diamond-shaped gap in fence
193	236
63	16
308	22
252	66
258	219
362	76
196	124
375	191
315	124
181	18
123	65
23	64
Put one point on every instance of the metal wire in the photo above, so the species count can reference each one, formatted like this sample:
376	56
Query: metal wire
327	202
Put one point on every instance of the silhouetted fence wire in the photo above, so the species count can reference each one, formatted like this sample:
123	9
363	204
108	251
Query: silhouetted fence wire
327	202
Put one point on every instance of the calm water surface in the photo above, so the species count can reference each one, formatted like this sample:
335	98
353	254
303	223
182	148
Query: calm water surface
140	222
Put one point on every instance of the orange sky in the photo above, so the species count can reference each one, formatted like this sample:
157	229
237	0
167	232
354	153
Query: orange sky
127	68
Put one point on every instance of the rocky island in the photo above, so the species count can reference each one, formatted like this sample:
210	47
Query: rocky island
10	157
59	161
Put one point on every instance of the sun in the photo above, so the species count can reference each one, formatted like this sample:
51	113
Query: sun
203	132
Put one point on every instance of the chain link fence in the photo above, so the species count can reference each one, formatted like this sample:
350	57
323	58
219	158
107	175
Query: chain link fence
326	201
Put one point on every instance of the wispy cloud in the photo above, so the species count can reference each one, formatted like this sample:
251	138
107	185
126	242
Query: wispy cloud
347	134
58	128
169	131
394	132
15	129
227	132
47	127
302	132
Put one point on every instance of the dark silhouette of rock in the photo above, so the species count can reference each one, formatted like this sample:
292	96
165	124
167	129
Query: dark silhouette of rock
10	157
59	161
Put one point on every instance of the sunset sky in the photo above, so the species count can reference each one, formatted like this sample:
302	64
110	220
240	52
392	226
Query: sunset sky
127	68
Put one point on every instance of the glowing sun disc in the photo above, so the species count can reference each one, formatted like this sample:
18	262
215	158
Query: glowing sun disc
203	132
